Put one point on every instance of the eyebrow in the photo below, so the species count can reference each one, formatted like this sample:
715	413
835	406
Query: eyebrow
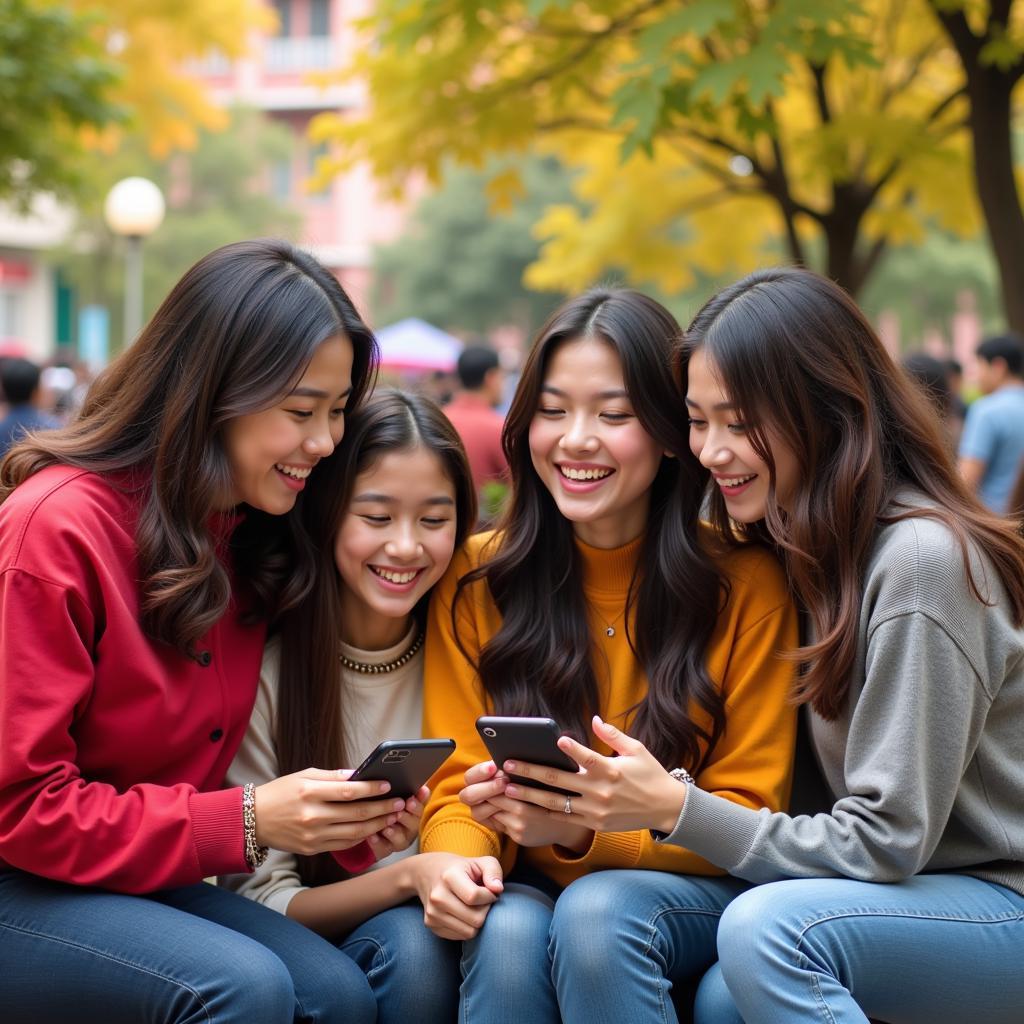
610	393
317	393
718	407
388	499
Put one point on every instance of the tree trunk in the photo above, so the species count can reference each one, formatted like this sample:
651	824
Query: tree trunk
989	90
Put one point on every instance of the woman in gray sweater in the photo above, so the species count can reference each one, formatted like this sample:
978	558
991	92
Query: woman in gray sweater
902	897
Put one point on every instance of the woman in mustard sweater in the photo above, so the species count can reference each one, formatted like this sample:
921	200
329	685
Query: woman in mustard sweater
600	594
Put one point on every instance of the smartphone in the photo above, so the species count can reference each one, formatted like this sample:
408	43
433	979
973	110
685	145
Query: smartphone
526	739
406	764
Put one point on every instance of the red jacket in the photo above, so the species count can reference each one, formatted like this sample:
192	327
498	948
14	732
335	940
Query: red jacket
112	746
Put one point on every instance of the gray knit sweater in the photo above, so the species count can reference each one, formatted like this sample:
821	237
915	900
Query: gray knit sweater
926	764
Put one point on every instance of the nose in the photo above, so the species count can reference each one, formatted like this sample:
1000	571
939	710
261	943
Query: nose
403	544
715	451
578	436
319	442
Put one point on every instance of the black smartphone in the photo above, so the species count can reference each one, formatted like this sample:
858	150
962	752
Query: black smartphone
406	764
526	739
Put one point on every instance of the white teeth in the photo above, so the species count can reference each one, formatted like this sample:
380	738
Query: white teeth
294	471
395	577
584	474
734	481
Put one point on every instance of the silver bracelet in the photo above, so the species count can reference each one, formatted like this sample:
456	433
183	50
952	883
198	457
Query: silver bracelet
682	775
255	854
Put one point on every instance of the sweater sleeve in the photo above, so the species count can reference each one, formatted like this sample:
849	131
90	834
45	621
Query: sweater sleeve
452	702
751	766
57	824
911	735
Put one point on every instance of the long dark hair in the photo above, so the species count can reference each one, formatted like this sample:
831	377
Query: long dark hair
233	335
539	661
310	700
799	358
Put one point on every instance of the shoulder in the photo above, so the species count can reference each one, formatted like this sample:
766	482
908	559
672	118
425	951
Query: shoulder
477	550
62	508
918	564
744	566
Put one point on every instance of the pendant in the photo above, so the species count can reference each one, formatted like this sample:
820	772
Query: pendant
610	631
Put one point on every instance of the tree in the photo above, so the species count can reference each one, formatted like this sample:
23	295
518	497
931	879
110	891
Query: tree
75	74
460	264
989	40
214	197
54	79
708	135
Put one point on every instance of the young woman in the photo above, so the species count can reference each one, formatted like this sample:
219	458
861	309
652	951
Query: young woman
347	672
142	549
902	898
599	595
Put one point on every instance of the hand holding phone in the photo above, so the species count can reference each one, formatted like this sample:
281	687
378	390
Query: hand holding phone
534	740
406	764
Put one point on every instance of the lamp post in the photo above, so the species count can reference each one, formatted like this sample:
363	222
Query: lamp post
134	208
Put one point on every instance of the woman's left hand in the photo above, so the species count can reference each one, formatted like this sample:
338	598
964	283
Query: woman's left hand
617	794
523	823
403	832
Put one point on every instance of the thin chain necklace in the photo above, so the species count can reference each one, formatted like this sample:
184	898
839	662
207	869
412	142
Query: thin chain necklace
609	627
371	668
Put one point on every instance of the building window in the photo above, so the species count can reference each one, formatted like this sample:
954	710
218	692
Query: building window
10	314
281	180
320	17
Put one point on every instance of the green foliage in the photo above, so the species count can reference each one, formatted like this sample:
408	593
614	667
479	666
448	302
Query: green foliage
460	263
215	196
54	80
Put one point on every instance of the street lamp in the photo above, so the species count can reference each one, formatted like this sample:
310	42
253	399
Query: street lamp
134	209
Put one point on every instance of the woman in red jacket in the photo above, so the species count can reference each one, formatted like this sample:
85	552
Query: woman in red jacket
142	550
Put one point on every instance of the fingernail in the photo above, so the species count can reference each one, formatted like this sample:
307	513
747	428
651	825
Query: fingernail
399	805
511	790
384	787
389	832
510	766
412	806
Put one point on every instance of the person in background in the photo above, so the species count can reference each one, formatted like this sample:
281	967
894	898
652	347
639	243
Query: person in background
345	671
19	379
472	412
992	443
930	374
955	380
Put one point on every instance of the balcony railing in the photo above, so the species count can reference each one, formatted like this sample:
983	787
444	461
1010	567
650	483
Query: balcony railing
284	54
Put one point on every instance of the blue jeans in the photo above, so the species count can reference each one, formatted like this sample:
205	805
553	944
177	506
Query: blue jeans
935	949
610	949
414	974
195	954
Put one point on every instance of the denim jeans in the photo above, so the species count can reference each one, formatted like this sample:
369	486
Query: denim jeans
414	974
195	954
935	949
610	949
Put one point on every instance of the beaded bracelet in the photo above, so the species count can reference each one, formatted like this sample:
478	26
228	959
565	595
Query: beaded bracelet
255	854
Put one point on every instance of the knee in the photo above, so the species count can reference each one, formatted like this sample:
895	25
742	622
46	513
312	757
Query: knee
755	926
253	986
590	934
714	1003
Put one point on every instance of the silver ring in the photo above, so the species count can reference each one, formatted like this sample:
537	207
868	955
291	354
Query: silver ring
567	809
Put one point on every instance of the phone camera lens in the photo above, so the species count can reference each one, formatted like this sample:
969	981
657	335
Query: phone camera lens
488	731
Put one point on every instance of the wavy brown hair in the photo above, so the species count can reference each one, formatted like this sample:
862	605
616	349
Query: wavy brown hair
539	661
310	707
799	359
233	336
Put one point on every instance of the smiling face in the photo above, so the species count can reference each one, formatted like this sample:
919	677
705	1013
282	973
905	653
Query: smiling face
394	543
719	439
588	447
271	452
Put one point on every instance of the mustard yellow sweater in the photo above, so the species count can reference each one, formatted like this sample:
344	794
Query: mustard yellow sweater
751	764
